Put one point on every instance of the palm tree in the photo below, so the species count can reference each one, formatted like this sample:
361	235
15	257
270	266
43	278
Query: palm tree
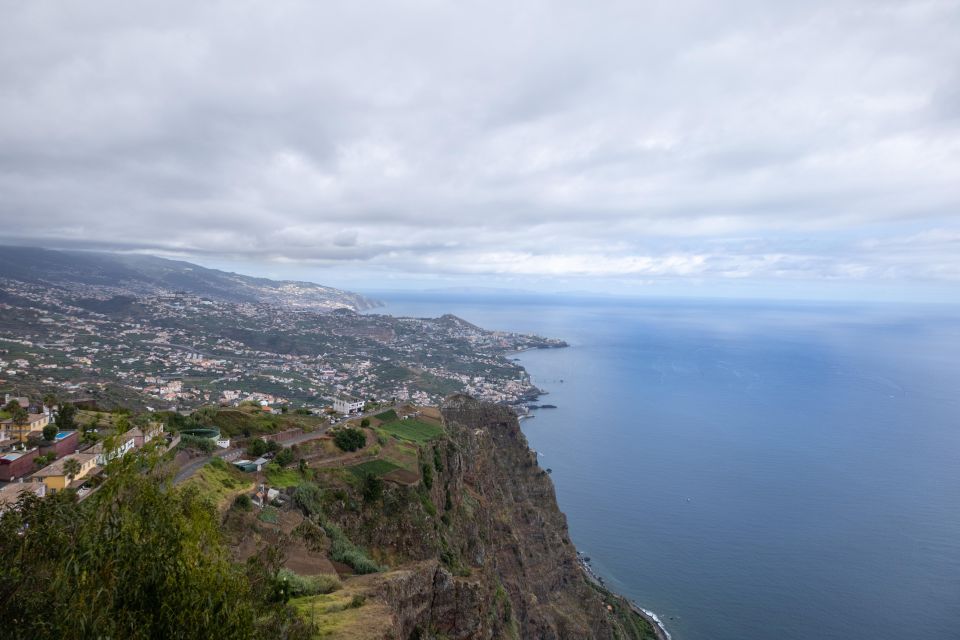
71	467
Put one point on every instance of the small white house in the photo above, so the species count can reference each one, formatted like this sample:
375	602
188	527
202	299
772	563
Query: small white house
123	444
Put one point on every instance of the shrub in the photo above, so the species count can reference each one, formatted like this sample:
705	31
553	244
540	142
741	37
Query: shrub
298	585
243	502
308	497
427	472
342	550
365	422
257	448
50	432
205	445
350	439
372	487
284	458
269	514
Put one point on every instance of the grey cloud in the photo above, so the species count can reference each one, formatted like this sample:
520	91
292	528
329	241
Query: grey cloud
424	137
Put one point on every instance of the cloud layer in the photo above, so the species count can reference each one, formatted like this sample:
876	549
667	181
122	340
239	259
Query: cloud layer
745	139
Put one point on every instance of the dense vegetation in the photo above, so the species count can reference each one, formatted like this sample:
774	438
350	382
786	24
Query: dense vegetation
350	439
139	559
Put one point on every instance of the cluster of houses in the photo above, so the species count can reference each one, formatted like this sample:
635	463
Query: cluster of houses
21	447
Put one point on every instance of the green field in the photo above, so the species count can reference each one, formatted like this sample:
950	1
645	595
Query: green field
387	416
281	478
412	430
374	467
220	482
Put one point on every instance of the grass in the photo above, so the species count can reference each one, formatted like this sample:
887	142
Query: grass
387	416
299	585
343	614
219	483
235	422
376	467
342	550
412	430
269	514
281	478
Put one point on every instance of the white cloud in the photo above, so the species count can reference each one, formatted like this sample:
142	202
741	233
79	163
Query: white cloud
689	140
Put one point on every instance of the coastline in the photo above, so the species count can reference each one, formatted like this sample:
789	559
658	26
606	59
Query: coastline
659	629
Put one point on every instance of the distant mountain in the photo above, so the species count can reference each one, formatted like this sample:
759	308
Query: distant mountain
111	274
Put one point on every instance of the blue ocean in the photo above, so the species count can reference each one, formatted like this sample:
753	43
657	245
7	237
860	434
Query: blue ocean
747	470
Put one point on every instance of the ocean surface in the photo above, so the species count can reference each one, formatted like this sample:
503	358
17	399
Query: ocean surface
752	471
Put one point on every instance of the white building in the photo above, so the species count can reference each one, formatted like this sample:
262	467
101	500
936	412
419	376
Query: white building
347	404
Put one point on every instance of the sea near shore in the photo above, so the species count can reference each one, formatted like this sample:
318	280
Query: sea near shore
752	470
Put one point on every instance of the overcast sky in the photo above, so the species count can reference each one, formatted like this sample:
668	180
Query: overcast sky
674	147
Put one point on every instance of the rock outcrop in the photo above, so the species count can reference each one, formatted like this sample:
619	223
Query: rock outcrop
492	557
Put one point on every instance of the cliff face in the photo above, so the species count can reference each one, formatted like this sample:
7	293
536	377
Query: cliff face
494	559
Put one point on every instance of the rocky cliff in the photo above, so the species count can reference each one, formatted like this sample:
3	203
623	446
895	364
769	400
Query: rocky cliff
483	550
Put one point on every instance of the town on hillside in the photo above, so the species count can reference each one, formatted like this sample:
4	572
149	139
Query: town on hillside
180	351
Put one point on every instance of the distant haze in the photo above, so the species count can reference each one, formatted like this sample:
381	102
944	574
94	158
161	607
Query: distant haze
807	149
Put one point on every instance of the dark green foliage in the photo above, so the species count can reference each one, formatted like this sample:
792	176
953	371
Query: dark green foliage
66	417
447	503
350	439
101	568
372	487
15	411
308	497
257	448
365	422
302	411
284	457
437	461
50	432
378	467
243	502
387	416
205	445
427	472
44	460
342	550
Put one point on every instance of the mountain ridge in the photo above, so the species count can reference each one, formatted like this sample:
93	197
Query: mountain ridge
106	275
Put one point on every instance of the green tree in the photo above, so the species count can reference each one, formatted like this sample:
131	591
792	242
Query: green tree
138	560
350	439
257	448
50	432
66	416
284	457
365	422
71	468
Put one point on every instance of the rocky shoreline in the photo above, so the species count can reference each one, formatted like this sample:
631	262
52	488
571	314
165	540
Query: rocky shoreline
658	627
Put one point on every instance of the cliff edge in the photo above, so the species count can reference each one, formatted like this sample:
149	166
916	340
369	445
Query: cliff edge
482	550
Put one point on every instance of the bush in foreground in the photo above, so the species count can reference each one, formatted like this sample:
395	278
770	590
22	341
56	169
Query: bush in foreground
350	439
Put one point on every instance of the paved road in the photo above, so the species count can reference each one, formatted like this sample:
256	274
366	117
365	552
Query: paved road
194	465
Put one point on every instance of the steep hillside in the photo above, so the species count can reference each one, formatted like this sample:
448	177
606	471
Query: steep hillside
117	275
481	550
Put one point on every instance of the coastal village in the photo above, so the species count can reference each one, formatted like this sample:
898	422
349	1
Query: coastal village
179	351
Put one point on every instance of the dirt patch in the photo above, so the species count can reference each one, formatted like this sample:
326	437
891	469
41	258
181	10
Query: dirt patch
403	476
430	413
305	561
